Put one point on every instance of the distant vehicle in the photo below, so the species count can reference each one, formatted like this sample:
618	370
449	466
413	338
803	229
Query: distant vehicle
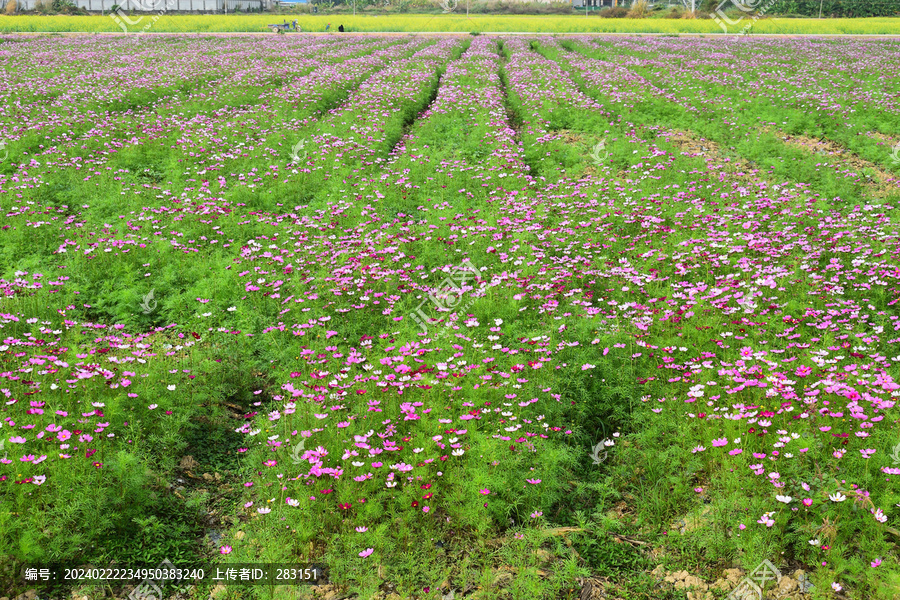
282	27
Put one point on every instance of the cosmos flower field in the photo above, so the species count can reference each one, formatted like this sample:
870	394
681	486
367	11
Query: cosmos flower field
489	315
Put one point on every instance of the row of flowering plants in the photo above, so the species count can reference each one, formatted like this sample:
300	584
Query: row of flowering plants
427	330
785	419
434	429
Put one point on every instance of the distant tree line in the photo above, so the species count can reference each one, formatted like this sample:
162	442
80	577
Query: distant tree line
811	8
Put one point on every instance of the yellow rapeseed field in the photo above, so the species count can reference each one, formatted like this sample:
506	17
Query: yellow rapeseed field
438	23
